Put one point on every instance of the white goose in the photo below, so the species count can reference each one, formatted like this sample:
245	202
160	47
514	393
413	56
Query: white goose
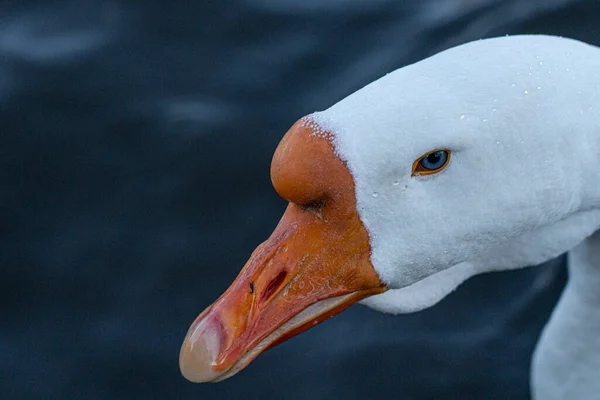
483	157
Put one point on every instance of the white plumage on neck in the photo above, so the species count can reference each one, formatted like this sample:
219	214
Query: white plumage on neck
521	117
566	364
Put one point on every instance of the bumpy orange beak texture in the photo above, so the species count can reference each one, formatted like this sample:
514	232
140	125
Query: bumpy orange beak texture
315	264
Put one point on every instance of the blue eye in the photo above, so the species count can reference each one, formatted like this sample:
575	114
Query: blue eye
431	163
434	160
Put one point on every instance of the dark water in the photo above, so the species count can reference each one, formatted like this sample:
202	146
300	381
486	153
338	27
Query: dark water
135	143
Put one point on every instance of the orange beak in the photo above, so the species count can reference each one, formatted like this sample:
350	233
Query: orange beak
315	264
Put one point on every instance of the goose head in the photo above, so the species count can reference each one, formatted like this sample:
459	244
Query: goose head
477	159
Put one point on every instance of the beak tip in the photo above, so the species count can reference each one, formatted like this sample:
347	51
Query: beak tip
199	352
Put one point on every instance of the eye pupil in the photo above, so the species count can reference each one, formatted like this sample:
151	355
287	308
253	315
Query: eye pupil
433	157
435	160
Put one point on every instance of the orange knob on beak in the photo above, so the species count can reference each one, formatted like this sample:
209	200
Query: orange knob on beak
315	264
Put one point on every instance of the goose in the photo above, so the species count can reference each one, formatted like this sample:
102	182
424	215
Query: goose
483	157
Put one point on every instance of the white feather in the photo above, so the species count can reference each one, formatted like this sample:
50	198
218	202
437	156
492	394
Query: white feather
521	117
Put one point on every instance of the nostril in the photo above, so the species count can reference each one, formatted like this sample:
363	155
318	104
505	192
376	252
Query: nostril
274	285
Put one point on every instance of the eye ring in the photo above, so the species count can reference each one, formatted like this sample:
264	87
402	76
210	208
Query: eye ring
431	163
